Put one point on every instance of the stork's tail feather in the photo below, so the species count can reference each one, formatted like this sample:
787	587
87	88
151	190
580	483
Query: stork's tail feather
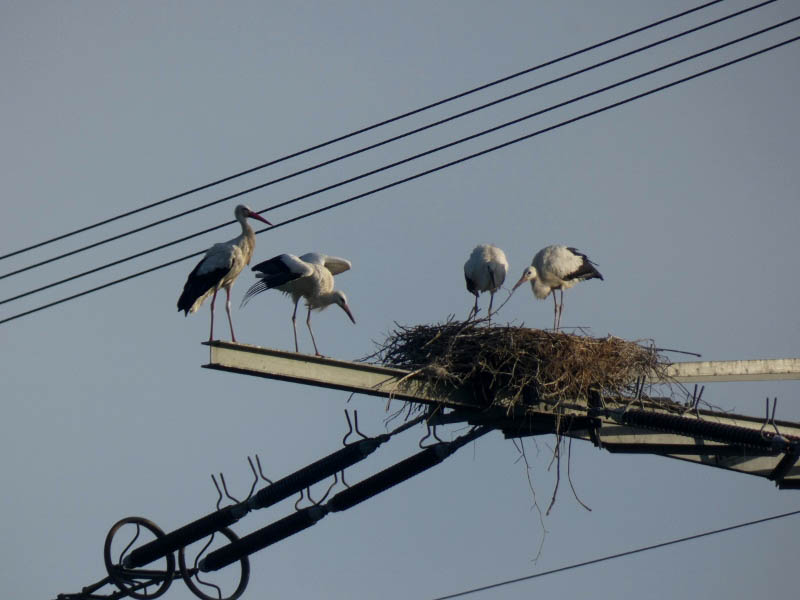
256	288
470	285
594	274
590	272
189	296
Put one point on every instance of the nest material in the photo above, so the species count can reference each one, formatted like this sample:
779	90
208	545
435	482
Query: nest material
513	365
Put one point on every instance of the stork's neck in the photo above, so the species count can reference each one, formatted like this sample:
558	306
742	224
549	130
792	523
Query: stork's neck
325	299
540	290
247	240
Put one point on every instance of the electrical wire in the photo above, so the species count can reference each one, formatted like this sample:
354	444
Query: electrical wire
619	555
365	129
434	169
407	159
386	141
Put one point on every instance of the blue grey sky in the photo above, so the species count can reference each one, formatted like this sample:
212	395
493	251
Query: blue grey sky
687	200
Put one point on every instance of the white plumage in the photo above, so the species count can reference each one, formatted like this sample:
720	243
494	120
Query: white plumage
554	268
219	268
485	271
309	276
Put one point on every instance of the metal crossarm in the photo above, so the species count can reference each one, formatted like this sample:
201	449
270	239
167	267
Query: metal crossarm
713	438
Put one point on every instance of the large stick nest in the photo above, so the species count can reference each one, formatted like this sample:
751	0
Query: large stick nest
515	366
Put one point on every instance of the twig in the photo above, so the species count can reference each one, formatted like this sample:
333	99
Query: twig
557	454
524	456
569	476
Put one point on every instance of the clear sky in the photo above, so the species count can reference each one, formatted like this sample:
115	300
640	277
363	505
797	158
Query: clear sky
688	200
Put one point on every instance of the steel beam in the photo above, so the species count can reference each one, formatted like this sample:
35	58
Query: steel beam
575	420
348	376
735	370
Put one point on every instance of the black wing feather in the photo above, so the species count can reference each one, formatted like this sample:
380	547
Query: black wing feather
470	286
197	285
272	273
273	266
587	269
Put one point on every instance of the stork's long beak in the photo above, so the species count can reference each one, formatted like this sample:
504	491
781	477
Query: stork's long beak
519	283
346	309
259	217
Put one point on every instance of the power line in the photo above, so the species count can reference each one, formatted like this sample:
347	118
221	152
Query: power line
363	129
429	171
400	162
382	143
619	555
432	170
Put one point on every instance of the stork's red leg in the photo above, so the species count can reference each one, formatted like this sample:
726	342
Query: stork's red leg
474	310
555	312
213	299
294	325
313	341
491	292
228	309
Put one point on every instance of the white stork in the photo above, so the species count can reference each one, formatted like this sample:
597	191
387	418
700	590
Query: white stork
485	271
557	268
219	269
309	276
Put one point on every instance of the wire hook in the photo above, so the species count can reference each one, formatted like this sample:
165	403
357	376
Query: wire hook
196	573
260	472
431	433
639	389
772	418
327	492
697	400
219	491
128	547
766	419
225	488
355	415
330	487
349	428
299	500
255	479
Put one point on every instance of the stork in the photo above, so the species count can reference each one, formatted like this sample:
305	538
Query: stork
554	268
309	276
219	269
485	271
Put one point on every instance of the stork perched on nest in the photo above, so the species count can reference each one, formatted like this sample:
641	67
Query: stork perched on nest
219	269
554	268
485	271
309	276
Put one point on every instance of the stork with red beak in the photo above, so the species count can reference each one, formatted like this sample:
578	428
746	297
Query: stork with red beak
219	269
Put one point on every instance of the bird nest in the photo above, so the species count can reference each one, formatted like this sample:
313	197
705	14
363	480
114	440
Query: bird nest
513	366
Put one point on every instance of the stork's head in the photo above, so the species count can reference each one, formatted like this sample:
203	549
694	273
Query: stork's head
528	274
243	211
341	300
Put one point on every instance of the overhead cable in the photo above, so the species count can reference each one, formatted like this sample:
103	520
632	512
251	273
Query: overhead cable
364	129
619	555
381	143
406	160
429	171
